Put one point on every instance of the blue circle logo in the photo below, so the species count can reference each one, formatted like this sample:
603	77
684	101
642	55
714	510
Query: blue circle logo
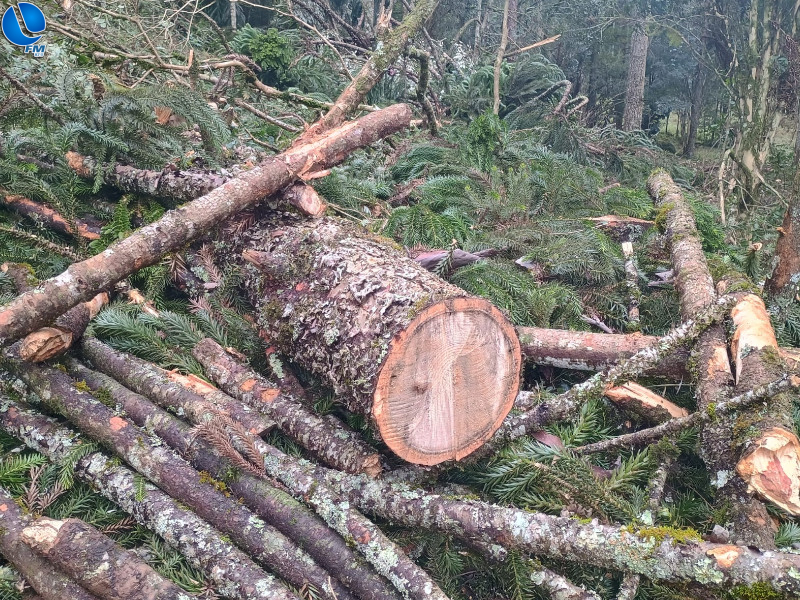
32	18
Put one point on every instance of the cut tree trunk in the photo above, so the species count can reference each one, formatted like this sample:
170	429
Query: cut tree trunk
83	280
634	90
640	400
173	475
51	218
171	390
767	450
277	507
97	563
786	273
748	516
326	437
437	370
233	573
48	582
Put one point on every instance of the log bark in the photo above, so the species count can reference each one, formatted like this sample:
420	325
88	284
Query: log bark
325	437
632	283
82	280
717	565
233	573
170	390
95	560
436	370
766	450
749	518
51	218
786	273
173	475
48	582
277	507
584	351
383	554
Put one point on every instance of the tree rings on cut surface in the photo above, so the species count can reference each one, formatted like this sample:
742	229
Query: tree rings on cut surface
448	382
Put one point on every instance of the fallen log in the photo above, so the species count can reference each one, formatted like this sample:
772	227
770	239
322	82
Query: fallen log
585	351
84	279
642	401
327	438
51	218
765	449
96	562
233	573
49	583
783	280
173	391
695	286
436	370
56	339
277	507
173	475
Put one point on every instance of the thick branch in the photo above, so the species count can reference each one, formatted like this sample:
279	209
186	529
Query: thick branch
51	218
178	227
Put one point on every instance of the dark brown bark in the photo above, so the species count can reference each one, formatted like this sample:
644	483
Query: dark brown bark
233	573
173	475
325	437
584	351
149	380
48	582
748	516
276	506
95	560
698	97
82	280
786	273
51	218
437	370
634	90
385	54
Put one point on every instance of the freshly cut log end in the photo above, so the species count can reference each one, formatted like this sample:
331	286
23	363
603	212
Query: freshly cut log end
449	380
435	369
772	469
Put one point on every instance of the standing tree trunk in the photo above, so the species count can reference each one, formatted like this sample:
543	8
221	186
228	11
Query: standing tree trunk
437	370
82	280
498	62
634	90
95	560
698	89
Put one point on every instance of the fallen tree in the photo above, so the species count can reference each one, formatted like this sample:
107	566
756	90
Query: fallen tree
84	279
435	369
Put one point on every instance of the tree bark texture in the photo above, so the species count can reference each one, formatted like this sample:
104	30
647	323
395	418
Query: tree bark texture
233	573
325	437
173	475
95	560
277	507
786	272
82	280
388	50
748	516
698	97
498	62
149	380
49	583
435	369
634	89
51	218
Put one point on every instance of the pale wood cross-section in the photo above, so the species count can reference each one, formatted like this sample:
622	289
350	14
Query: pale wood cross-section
448	382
